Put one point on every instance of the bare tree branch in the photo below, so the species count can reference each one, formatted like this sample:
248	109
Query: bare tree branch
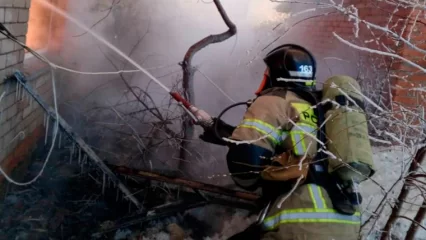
189	70
187	183
114	3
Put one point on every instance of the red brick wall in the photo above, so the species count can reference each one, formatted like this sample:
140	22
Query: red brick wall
412	76
18	113
22	123
375	69
22	151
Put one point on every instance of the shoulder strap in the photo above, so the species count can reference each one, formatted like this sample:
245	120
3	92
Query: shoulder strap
344	101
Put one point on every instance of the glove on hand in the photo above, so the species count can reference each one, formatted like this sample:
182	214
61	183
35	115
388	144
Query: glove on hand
224	130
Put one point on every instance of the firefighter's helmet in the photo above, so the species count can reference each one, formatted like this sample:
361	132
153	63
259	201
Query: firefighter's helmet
291	66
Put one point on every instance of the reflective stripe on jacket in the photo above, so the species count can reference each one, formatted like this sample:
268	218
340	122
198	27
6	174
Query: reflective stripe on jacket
281	119
308	214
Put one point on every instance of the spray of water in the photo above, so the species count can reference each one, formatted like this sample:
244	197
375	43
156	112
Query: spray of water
103	40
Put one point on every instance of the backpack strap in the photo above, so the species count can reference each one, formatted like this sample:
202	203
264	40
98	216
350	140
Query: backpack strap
344	101
318	173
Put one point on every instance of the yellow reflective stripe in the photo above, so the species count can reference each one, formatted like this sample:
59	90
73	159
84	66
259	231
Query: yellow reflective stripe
304	127
313	220
297	141
275	134
299	145
260	122
307	210
316	196
311	192
302	136
322	197
298	134
310	83
272	138
310	215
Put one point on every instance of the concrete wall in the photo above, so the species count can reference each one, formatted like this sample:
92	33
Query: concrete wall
21	119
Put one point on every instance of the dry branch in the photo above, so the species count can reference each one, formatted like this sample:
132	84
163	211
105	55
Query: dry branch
415	224
153	110
189	70
187	183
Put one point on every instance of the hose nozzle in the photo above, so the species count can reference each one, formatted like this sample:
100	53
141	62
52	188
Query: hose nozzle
204	119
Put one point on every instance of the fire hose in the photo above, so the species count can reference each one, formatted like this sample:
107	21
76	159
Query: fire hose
199	116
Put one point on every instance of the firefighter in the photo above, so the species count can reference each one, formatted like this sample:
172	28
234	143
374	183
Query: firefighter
277	143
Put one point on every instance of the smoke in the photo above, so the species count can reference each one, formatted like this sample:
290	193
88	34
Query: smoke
157	34
172	27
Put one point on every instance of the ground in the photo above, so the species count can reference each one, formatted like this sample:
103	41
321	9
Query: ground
67	203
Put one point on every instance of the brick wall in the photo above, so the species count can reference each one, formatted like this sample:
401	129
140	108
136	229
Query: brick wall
21	119
374	69
411	77
391	83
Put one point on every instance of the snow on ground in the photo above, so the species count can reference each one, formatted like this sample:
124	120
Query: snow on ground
390	163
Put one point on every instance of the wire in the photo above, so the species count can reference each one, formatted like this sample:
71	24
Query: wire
56	128
107	73
216	123
216	86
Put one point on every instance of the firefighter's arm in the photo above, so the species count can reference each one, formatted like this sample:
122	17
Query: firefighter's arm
258	134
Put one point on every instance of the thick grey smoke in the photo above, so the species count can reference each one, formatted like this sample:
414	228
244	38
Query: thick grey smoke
158	33
163	30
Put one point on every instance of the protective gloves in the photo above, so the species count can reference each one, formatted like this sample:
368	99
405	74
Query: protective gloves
224	130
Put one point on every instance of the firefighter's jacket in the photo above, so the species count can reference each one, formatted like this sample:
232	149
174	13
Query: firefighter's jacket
280	119
308	214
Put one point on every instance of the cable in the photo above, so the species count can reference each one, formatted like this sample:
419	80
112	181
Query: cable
216	86
6	32
106	73
216	130
56	128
